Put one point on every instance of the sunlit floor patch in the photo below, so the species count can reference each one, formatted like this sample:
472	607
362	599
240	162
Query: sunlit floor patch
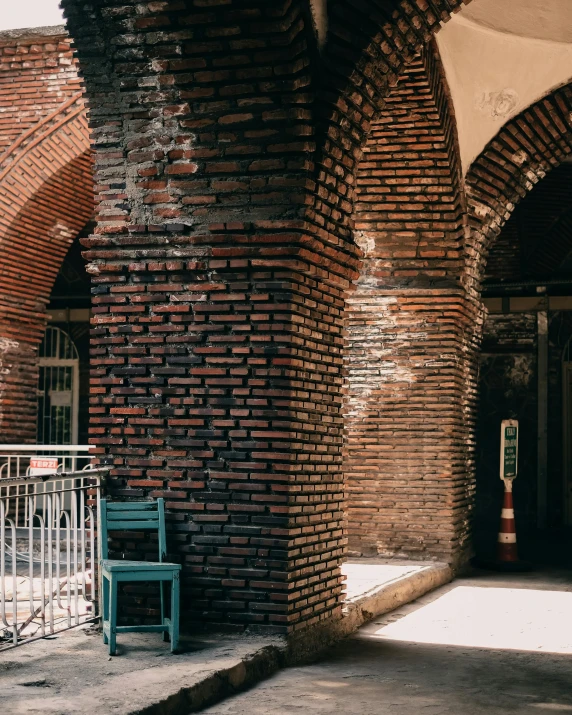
363	579
498	618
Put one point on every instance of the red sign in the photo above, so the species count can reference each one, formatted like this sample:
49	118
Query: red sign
40	466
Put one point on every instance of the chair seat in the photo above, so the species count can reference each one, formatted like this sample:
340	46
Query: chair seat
121	565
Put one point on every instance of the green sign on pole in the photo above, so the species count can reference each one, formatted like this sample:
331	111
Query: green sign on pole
509	449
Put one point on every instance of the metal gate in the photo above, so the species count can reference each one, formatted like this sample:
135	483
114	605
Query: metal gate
58	390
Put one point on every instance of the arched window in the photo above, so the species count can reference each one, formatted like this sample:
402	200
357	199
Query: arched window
58	389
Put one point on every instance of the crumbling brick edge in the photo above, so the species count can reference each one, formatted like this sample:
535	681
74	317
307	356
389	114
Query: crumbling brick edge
302	647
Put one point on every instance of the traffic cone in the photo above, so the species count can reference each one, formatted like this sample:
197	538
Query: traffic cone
507	552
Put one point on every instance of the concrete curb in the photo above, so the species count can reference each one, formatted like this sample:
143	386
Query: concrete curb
220	685
209	669
308	645
395	594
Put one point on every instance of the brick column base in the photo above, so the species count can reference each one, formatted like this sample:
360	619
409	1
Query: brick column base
409	412
217	382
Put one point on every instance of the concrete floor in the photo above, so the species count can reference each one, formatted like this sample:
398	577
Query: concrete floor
484	644
71	671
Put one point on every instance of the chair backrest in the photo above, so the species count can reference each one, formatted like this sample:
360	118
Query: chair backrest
134	516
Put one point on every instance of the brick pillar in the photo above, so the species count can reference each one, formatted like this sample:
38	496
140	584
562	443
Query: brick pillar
222	253
217	329
216	378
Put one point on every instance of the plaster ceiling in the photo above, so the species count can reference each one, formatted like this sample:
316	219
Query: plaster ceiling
495	68
540	19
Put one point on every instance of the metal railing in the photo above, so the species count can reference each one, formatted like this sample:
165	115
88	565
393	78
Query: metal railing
15	459
48	553
35	460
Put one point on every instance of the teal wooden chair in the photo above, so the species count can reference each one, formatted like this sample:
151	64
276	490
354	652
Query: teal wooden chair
136	516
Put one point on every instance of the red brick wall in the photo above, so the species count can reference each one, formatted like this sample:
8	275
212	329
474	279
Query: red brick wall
411	386
216	204
37	75
46	197
226	157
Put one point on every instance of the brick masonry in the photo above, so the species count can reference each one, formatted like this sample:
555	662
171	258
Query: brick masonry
226	151
525	150
411	328
46	196
228	158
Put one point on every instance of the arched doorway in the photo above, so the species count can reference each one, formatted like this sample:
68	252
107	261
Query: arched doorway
519	202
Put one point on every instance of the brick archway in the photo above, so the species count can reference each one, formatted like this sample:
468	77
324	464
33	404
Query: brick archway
226	151
410	326
522	153
524	161
368	47
46	197
415	320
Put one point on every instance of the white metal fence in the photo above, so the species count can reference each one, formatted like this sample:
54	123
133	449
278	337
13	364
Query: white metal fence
26	460
48	552
15	459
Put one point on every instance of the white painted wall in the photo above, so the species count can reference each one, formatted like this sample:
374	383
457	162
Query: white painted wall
542	19
494	75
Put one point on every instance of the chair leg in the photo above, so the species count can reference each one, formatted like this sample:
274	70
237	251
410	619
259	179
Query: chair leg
105	588
162	587
113	616
174	631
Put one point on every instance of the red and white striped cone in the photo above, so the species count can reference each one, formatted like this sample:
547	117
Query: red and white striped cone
506	551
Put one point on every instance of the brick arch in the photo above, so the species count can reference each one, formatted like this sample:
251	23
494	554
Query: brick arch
226	149
368	47
204	131
523	152
408	461
537	238
46	197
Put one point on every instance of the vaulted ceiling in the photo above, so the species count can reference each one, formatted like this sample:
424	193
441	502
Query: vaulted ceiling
501	56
